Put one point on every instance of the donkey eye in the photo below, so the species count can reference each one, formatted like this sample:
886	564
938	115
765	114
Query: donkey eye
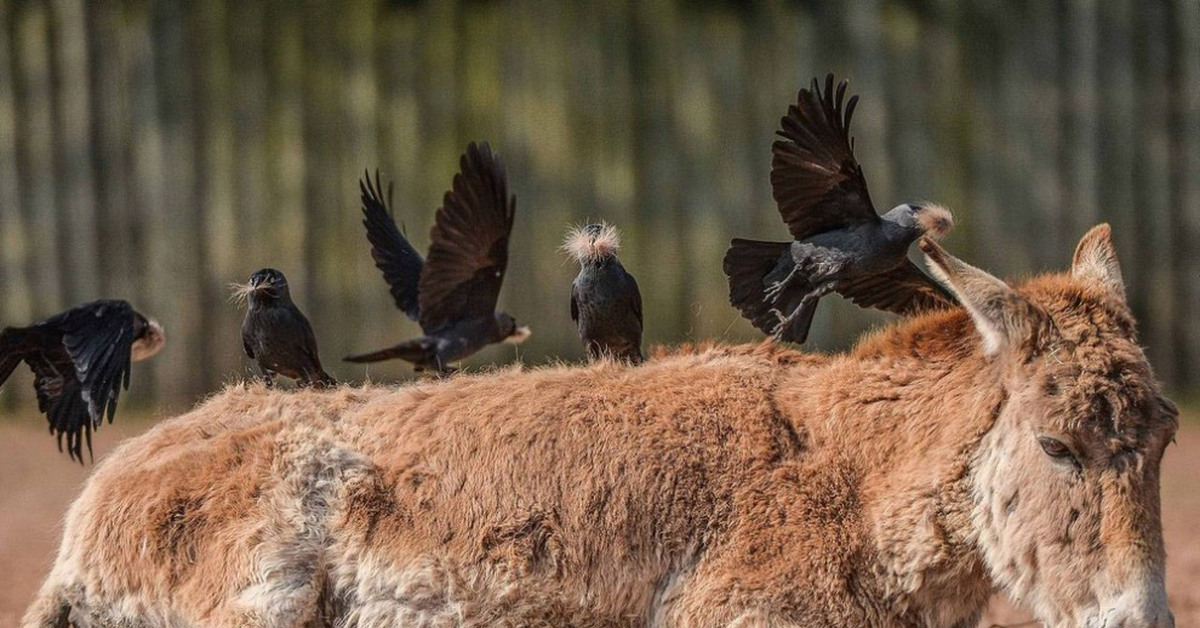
1054	448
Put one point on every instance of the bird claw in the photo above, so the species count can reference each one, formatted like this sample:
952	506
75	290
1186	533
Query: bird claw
773	290
783	322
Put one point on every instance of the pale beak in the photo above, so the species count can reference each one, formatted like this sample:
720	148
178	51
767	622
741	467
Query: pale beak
519	335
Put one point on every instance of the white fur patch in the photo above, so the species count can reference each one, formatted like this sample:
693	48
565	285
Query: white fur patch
935	220
583	246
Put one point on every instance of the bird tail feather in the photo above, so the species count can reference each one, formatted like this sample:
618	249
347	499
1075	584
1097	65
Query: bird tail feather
415	350
747	263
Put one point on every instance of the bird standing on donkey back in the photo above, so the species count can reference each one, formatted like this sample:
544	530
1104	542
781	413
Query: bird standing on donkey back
453	294
81	360
841	243
606	304
276	334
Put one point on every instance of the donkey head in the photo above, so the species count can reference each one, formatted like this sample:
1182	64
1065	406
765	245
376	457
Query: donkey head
1066	482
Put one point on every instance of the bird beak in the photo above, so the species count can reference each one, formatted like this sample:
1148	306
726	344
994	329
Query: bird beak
519	335
150	343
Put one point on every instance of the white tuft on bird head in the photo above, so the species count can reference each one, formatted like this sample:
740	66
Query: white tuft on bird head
592	242
150	342
519	335
239	293
935	220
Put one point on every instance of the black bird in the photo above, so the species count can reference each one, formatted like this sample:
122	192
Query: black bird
841	243
605	301
452	294
81	360
276	334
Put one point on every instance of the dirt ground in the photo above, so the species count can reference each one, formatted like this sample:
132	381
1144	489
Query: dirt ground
37	484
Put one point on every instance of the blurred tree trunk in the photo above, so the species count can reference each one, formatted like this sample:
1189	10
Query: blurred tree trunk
214	187
1185	184
1153	185
287	226
1082	102
183	282
656	166
252	199
15	249
1039	105
1117	142
35	156
158	260
116	254
76	197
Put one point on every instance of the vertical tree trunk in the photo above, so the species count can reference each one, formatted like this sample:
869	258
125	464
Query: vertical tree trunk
286	234
156	287
1117	142
35	158
15	249
76	200
1082	99
1153	185
656	167
183	307
1185	186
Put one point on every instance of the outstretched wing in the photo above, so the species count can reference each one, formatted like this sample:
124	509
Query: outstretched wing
60	398
815	179
904	290
469	249
393	254
98	336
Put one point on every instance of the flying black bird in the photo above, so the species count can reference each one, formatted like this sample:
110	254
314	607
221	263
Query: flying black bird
605	301
452	294
841	243
275	333
80	360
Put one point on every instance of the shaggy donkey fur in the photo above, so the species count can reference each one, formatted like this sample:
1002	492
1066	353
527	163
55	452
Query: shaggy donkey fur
895	486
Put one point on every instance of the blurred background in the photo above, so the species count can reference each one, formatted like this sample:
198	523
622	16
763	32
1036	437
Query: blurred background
157	151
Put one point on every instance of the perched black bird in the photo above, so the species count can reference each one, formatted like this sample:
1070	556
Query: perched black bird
275	333
81	360
453	294
841	243
605	301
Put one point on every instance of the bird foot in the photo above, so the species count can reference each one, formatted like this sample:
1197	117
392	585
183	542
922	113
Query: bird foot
783	322
773	290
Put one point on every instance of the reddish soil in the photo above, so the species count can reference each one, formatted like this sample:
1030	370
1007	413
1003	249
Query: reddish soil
37	484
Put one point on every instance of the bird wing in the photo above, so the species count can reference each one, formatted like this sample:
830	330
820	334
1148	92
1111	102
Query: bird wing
574	303
469	249
99	336
904	290
636	302
393	254
60	398
816	182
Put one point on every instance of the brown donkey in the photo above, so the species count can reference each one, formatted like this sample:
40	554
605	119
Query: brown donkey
1012	444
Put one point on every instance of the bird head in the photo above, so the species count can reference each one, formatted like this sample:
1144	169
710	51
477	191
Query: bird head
926	219
513	334
149	338
592	242
264	286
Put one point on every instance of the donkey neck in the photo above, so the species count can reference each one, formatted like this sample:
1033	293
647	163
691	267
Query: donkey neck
909	426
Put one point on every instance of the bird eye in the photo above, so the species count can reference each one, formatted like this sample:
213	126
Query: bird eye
1054	448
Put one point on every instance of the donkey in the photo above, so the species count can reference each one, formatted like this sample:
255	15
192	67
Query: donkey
1011	444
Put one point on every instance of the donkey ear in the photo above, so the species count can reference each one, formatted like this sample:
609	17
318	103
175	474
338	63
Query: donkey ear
1003	317
1096	260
